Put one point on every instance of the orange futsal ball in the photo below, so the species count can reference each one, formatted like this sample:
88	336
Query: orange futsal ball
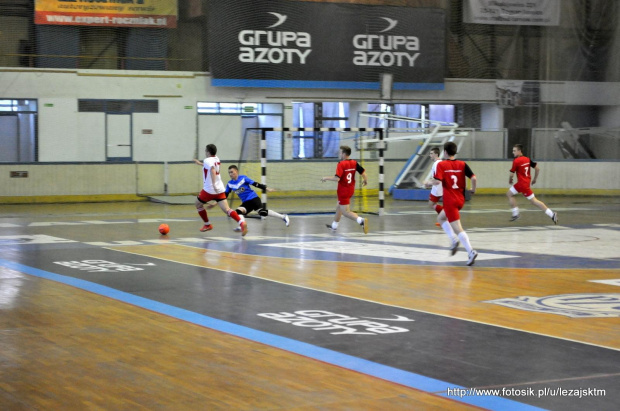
164	229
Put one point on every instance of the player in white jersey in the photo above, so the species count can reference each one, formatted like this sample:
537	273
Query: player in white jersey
213	190
436	190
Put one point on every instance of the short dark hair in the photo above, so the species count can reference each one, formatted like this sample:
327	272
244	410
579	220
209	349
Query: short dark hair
450	148
519	147
233	167
346	150
211	149
435	150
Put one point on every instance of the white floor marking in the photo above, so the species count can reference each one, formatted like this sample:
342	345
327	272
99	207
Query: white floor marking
434	255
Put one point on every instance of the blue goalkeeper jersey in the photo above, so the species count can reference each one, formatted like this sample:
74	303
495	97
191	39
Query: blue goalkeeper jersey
241	186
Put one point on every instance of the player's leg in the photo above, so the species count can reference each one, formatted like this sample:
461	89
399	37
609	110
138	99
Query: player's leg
464	239
200	207
512	191
543	207
263	212
337	216
223	203
433	203
346	211
442	219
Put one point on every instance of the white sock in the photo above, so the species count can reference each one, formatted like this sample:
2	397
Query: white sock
464	239
334	225
360	220
448	229
549	212
272	213
515	211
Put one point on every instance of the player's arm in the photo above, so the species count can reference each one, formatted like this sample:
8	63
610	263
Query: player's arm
536	172
362	172
511	179
213	174
200	163
262	186
474	181
334	178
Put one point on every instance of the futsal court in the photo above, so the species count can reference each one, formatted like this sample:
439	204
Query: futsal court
99	311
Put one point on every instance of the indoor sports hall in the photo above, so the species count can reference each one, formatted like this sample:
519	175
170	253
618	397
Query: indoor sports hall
106	112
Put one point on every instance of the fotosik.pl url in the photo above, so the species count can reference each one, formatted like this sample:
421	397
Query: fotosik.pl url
526	392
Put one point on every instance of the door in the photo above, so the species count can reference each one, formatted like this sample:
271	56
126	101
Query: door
118	137
9	138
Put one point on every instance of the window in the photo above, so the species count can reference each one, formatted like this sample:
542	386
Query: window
319	144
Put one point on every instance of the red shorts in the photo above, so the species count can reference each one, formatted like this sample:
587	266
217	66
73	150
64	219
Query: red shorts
345	194
523	188
433	199
452	210
205	197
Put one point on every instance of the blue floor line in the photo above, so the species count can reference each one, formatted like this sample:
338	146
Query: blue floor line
409	379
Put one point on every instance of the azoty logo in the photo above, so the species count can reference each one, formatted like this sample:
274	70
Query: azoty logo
385	50
340	324
274	46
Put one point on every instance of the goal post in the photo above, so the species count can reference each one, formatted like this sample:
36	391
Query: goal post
267	152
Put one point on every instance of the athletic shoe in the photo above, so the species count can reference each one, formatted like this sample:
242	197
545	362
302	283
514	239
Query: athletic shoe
472	257
287	221
454	247
365	226
207	227
330	227
244	228
515	217
237	229
555	218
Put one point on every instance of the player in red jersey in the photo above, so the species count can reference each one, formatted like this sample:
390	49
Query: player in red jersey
522	166
451	174
213	190
345	176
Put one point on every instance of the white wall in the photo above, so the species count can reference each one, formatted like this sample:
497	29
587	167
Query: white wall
64	134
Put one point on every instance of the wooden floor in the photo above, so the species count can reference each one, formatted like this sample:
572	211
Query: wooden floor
67	345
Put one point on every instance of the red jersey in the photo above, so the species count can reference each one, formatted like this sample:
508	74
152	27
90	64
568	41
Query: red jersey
523	167
452	174
345	171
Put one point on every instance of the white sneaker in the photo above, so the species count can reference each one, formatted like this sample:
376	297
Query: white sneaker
472	257
287	221
330	227
237	229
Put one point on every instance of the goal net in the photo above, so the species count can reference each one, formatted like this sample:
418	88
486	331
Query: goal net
267	157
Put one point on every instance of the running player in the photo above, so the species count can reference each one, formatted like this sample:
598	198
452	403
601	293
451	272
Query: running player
436	190
213	190
522	166
451	175
250	201
345	176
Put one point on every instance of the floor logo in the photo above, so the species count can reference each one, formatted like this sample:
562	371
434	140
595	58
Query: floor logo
98	266
338	324
570	305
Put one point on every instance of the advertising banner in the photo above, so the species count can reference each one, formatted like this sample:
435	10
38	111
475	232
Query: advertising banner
267	43
515	12
109	13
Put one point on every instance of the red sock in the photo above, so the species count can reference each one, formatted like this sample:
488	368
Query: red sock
233	214
203	215
438	208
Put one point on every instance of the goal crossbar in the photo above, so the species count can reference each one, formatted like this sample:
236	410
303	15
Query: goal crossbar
263	153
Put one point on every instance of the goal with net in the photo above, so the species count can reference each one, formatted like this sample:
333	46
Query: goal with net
267	152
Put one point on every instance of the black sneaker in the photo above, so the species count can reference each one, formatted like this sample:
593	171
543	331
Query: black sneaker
330	227
555	218
515	217
472	257
454	247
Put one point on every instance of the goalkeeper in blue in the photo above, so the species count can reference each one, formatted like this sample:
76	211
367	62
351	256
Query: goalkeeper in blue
250	201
